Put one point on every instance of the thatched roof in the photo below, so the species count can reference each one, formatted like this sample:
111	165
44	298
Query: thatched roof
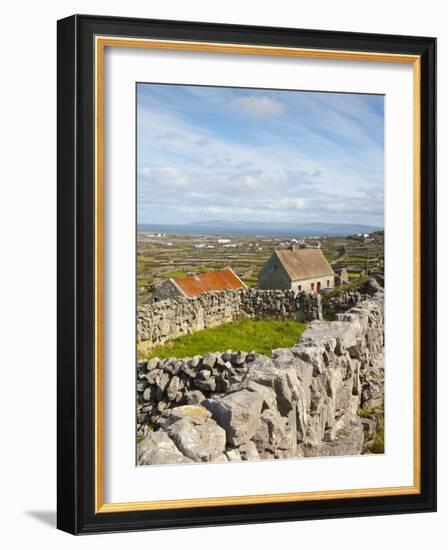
304	263
193	285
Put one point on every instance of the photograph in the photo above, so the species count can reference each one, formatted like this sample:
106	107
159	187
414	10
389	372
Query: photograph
259	274
246	273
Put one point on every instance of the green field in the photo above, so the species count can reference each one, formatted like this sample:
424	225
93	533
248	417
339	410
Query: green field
246	335
175	274
175	255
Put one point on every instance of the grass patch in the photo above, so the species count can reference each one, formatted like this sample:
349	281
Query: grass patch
250	281
377	447
174	274
367	413
357	259
244	335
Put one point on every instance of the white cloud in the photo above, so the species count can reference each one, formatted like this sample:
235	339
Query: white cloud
262	106
163	175
169	136
288	169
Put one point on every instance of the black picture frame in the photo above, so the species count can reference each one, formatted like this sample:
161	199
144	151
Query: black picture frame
76	256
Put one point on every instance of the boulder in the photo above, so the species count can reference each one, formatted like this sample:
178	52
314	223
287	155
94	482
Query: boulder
158	448
195	434
195	414
267	394
347	439
238	414
281	378
249	451
233	455
272	432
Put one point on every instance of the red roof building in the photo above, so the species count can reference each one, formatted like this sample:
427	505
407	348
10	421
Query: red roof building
194	285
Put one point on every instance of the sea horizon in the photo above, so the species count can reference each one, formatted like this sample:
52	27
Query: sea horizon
252	230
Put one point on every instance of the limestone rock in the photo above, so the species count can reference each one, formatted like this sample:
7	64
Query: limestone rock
158	448
173	388
147	394
194	397
195	414
238	414
206	385
162	380
152	363
267	394
233	455
209	360
273	432
202	442
347	439
249	451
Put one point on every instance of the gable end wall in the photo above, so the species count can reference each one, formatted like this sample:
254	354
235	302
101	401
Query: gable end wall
273	275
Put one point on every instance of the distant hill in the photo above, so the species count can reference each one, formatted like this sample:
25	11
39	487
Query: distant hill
227	227
305	229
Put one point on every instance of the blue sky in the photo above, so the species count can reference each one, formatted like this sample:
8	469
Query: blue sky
207	153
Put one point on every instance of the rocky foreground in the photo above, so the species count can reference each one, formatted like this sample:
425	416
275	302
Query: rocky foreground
324	396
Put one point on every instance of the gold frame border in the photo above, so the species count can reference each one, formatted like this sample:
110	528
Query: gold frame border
101	42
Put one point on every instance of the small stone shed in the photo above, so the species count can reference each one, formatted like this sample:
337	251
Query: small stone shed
298	269
194	285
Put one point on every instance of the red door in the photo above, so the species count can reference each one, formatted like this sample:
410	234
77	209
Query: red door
318	287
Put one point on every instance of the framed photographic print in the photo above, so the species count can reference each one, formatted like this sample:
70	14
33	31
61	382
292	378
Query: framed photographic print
246	274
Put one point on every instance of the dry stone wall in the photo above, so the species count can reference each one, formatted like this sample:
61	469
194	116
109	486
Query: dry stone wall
338	302
160	321
300	401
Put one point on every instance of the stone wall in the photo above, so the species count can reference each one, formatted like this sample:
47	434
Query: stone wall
340	301
301	401
160	321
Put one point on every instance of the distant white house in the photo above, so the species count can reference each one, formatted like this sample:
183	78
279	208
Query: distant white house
223	241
